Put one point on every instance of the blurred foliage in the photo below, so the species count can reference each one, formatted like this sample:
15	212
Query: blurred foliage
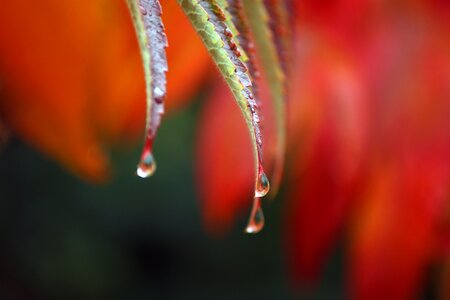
130	239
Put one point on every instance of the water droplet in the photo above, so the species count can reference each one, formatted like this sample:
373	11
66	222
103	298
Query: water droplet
233	46
158	92
262	185
228	33
147	165
142	10
220	15
256	220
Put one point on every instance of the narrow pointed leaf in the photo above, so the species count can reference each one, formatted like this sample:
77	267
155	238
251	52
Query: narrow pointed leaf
209	20
236	10
279	21
152	41
259	23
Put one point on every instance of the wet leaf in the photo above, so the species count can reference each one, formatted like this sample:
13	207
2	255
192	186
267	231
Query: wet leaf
152	41
210	22
258	19
243	37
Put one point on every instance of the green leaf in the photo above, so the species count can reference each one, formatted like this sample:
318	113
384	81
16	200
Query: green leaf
244	38
210	22
258	18
152	42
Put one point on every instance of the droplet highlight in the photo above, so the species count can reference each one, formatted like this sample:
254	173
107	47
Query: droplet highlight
256	220
262	185
158	93
147	165
142	10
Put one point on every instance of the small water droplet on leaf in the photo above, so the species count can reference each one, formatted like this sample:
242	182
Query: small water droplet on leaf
142	10
228	33
158	93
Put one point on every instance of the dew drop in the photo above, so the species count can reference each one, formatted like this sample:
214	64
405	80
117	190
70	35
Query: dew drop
147	165
262	185
158	93
142	10
256	220
228	33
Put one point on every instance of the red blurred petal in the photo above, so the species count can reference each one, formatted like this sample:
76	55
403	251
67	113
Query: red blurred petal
327	111
396	226
224	161
402	68
225	167
394	231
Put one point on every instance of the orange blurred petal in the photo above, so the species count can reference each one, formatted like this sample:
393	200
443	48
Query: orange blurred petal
46	97
73	79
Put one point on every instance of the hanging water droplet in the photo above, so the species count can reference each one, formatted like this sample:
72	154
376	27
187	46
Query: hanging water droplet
262	185
147	165
256	220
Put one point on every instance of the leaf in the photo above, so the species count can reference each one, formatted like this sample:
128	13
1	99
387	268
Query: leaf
244	38
152	41
209	20
51	93
279	21
259	23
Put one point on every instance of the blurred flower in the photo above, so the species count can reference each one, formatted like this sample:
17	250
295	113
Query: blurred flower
369	149
71	79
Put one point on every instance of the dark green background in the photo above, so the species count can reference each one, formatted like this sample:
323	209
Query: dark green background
61	238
